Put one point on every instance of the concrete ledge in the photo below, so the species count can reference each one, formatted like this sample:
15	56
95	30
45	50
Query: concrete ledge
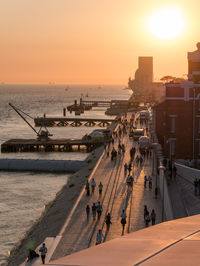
174	242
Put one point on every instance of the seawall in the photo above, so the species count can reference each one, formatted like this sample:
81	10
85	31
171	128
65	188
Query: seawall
37	165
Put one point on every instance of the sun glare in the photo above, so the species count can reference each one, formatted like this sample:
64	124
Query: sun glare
167	23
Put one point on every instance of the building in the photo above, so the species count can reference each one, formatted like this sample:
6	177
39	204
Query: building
143	86
177	118
144	73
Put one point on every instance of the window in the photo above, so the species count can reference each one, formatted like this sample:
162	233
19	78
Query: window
172	124
172	147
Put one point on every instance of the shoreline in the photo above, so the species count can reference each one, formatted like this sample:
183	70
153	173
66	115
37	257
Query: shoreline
55	214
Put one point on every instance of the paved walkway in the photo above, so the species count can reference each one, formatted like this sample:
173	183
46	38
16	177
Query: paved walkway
81	234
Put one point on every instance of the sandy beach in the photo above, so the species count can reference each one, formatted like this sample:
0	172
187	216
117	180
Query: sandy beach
55	213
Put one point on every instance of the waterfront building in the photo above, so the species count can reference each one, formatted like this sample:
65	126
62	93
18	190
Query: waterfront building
177	118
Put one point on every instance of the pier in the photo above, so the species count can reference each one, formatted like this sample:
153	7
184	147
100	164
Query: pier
87	105
73	122
80	107
91	103
49	145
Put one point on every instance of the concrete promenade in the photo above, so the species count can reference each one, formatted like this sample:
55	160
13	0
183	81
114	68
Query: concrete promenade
80	234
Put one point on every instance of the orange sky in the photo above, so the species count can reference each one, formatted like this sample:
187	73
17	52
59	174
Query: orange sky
88	41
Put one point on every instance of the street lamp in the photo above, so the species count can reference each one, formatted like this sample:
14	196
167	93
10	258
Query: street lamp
155	146
162	168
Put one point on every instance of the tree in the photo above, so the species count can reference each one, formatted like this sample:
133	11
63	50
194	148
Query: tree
167	79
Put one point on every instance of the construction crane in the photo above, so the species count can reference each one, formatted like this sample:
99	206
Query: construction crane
41	134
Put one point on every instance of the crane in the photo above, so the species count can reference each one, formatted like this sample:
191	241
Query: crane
41	134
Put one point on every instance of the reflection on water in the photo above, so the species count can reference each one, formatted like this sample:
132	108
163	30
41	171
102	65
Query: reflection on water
22	200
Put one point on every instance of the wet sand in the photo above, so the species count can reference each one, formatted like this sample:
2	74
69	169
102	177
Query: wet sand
55	213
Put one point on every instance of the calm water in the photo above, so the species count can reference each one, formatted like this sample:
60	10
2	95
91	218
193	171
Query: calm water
24	195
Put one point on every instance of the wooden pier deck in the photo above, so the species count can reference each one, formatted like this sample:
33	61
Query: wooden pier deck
95	103
74	122
62	145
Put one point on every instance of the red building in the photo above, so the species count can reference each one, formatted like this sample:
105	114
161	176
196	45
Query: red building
177	118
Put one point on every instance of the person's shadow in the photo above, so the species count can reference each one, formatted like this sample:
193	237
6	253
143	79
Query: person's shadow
31	262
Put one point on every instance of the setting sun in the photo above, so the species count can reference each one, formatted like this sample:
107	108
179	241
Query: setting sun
167	23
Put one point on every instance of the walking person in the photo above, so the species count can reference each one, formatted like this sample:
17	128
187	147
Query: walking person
174	171
99	210
100	189
141	161
153	217
129	168
108	153
123	220
94	210
147	219
145	211
108	221
87	188
137	160
125	169
99	237
150	182
145	181
93	184
132	153
88	212
123	149
43	251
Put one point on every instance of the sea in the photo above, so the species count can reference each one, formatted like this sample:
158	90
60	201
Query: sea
23	195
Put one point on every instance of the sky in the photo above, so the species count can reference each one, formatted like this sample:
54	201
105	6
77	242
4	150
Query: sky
89	41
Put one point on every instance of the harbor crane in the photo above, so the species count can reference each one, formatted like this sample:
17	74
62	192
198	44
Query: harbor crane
42	134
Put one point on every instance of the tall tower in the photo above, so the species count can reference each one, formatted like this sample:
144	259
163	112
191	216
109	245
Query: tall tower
145	64
144	74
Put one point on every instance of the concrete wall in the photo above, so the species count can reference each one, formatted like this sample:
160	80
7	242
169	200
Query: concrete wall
41	165
166	201
187	172
162	182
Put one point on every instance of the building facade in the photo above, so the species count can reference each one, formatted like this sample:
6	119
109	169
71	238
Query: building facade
177	118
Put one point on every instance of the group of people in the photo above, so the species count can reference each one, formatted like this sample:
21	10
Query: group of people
148	179
100	237
149	217
96	210
92	184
